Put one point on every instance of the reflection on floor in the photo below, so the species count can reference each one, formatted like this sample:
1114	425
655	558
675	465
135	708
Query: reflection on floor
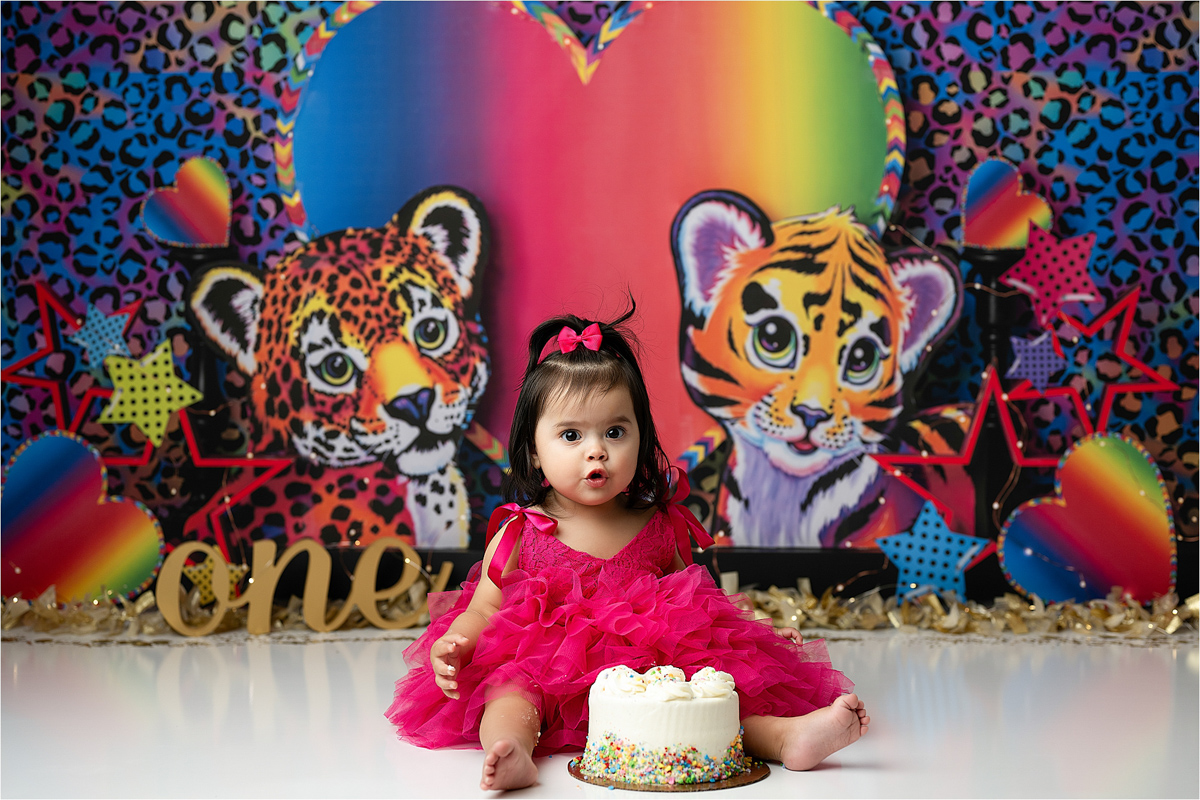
303	717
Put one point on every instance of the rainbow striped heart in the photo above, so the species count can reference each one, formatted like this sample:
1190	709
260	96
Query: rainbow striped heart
59	527
1108	524
995	212
195	211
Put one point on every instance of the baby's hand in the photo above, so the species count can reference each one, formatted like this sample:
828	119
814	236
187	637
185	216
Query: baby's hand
790	633
444	656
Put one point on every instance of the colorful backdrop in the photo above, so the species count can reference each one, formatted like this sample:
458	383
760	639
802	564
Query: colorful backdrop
583	129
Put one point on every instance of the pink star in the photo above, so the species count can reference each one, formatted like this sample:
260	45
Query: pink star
1053	272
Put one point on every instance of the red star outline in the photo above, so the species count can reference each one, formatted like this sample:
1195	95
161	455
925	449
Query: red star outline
218	504
50	302
892	462
1151	382
1025	391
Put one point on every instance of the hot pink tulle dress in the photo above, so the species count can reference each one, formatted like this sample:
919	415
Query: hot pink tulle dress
567	615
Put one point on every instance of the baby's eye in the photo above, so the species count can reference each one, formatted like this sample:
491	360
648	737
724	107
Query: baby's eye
570	436
615	432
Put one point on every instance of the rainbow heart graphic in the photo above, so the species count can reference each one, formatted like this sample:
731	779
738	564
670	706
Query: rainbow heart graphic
60	528
1109	524
995	211
790	104
195	211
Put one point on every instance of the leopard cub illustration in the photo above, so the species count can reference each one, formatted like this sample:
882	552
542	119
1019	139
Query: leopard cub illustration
797	337
366	358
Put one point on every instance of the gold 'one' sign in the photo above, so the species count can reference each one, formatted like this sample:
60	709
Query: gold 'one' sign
265	573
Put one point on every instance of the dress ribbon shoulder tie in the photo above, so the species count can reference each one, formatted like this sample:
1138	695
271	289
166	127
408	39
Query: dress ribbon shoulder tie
684	521
515	516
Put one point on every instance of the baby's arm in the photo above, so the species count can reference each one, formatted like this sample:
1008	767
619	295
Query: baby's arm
453	650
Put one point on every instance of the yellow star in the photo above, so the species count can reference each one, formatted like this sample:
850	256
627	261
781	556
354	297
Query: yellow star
147	392
201	577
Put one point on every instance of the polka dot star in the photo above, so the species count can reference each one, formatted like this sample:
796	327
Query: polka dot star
1035	360
102	336
1053	272
930	556
201	576
147	392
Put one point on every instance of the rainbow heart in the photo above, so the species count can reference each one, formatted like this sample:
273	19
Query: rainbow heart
195	211
995	212
61	529
789	104
1109	524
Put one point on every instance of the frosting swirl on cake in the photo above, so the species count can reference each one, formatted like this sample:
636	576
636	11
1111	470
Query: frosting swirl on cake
709	682
666	683
622	680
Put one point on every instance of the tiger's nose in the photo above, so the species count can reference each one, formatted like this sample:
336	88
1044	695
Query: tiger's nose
811	417
411	408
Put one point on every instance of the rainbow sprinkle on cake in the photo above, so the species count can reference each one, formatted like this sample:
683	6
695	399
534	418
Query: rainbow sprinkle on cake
624	762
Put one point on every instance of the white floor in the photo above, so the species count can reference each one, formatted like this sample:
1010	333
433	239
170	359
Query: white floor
278	717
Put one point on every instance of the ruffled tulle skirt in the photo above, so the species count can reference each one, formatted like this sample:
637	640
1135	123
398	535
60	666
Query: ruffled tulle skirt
548	642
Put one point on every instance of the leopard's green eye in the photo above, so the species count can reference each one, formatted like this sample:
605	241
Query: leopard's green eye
775	342
336	370
430	333
863	362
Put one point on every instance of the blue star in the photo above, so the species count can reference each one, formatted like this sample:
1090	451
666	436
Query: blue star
1034	360
930	556
102	336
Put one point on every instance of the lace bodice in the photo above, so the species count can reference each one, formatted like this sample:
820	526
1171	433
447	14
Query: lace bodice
650	552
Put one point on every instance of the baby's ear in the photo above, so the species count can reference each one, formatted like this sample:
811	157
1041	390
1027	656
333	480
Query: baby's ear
708	233
454	221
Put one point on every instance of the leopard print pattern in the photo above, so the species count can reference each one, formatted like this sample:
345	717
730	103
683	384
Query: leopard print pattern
1096	104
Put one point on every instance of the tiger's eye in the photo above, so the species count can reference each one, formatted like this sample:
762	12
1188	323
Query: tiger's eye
775	342
430	334
336	370
862	362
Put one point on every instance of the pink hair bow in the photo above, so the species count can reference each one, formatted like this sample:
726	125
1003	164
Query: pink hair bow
683	520
568	340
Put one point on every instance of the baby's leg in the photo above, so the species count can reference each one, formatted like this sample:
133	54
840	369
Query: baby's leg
508	732
803	742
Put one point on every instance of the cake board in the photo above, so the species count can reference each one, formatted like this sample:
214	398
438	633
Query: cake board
758	770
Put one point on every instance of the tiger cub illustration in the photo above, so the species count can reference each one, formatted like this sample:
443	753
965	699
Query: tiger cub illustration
366	357
797	338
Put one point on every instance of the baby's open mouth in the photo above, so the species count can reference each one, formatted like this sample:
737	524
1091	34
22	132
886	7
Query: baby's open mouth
596	478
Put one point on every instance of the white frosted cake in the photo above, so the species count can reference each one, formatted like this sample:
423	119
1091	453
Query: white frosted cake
660	728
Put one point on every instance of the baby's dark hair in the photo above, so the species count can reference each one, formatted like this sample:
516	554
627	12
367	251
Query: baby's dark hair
578	372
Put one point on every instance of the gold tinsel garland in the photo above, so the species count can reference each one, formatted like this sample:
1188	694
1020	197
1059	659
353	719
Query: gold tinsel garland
799	608
1117	614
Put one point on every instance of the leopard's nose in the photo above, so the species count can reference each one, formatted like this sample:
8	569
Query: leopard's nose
412	408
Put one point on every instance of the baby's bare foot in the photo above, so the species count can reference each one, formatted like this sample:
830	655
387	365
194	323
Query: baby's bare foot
811	739
507	766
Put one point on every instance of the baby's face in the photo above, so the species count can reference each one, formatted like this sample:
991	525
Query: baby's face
588	448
